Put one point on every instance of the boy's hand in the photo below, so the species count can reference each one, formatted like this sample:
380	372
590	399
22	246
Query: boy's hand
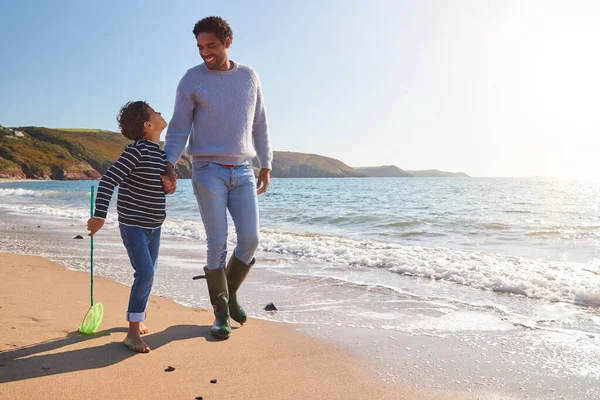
94	225
169	185
169	180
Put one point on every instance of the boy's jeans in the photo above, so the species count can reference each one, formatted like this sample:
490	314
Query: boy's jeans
142	247
218	188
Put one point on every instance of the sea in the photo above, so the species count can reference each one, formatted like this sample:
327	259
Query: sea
500	276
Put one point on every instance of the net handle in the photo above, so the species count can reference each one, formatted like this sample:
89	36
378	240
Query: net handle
92	248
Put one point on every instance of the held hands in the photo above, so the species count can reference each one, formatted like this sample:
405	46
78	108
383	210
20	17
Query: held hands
262	183
94	224
169	180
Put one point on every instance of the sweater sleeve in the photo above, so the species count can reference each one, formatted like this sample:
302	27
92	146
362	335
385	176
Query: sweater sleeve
180	125
260	131
125	165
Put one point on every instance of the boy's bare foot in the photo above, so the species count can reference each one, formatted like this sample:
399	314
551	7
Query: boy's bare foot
143	329
136	344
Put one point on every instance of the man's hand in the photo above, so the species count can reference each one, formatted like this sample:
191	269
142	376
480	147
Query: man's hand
94	224
169	180
264	177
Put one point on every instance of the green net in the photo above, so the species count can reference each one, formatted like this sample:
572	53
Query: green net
92	319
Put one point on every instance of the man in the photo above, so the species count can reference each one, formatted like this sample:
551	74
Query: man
219	106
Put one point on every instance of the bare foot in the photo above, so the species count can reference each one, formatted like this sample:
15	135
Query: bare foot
136	344
143	329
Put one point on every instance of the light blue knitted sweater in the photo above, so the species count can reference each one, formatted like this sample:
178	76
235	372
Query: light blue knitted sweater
223	115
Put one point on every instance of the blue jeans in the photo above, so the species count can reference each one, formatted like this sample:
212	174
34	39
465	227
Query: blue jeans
142	247
217	190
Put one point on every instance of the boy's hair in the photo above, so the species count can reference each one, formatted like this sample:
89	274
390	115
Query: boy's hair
131	119
216	25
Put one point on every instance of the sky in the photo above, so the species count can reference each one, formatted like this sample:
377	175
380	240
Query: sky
487	87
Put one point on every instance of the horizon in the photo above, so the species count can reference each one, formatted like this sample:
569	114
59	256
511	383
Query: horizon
494	89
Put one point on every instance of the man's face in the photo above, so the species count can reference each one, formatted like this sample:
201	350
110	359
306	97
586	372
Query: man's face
213	51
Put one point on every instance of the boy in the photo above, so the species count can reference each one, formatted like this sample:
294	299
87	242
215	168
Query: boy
140	206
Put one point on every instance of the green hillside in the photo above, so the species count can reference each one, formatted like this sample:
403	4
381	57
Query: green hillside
288	164
31	152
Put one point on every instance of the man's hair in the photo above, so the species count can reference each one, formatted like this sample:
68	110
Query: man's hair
131	119
216	25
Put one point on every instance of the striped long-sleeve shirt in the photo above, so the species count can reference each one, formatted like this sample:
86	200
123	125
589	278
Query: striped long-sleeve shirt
141	198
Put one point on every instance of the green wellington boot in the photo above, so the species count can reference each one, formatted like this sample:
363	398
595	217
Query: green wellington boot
219	297
236	272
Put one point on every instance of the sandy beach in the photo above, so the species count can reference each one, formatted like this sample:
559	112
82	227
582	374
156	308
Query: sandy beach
43	356
391	336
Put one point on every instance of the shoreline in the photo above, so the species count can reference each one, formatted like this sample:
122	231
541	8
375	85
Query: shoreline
482	351
43	355
14	180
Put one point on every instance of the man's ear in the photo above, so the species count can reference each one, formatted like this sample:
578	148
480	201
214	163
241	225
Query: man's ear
227	42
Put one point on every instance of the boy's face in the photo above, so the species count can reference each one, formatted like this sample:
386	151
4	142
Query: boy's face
155	125
213	51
